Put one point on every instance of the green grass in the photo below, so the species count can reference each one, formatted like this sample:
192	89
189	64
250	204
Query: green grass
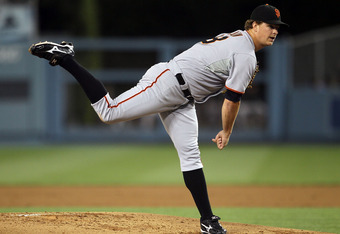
314	219
274	164
238	164
155	165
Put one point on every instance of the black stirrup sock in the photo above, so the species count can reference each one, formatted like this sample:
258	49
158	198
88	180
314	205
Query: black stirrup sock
195	182
93	88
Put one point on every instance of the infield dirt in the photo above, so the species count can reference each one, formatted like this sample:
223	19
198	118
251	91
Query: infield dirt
152	196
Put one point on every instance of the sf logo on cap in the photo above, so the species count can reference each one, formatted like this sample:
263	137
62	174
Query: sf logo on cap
277	12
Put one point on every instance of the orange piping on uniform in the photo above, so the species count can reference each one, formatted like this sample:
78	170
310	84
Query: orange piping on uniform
235	91
109	106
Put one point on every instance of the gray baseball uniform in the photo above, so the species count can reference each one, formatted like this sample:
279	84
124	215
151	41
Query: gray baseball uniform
227	61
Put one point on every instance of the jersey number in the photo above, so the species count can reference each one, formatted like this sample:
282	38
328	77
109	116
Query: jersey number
222	37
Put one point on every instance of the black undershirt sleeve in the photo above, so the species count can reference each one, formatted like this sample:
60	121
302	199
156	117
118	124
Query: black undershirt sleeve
233	96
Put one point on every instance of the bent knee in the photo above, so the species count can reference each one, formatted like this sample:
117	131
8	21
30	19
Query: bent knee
190	163
107	119
190	158
103	110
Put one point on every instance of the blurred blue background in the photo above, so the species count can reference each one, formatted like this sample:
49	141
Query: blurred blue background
295	96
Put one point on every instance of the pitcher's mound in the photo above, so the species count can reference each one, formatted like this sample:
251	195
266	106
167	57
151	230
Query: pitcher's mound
114	222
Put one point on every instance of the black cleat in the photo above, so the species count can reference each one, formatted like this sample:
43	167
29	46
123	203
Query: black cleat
53	52
212	226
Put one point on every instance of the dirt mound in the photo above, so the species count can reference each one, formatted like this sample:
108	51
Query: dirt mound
172	196
114	222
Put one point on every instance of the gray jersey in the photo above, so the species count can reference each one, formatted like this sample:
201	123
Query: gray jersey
227	61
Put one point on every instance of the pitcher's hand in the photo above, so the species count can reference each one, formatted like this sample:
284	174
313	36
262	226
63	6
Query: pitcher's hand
221	139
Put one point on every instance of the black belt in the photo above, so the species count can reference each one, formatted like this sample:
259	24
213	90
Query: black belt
186	92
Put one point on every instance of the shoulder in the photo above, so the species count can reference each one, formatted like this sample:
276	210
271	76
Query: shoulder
238	42
244	43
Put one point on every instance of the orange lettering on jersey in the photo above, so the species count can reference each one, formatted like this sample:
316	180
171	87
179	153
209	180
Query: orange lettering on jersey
277	12
257	69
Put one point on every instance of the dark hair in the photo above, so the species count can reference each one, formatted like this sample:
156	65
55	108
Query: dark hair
249	24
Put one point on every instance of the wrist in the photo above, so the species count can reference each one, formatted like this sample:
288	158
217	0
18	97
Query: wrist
226	132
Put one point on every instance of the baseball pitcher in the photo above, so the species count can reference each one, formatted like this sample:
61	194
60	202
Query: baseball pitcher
223	64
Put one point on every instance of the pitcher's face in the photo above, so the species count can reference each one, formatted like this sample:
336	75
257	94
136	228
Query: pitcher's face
266	33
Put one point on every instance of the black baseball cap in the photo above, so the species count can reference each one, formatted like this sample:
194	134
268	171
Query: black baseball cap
268	14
